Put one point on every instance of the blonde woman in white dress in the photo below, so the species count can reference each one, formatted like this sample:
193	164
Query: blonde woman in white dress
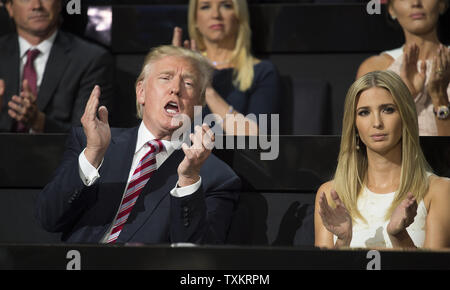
383	194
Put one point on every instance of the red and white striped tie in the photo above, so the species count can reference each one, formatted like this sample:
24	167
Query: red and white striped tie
141	175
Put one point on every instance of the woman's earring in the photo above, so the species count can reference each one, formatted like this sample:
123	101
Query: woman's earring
393	17
357	142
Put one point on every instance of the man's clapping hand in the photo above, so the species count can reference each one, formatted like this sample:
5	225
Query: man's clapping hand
97	130
195	155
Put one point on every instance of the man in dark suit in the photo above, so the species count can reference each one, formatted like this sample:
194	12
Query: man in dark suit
63	71
190	197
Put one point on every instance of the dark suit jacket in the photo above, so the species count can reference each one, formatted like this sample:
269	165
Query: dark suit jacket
83	214
73	68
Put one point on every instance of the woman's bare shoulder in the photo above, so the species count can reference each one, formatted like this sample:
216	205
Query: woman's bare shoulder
326	187
439	189
373	63
438	183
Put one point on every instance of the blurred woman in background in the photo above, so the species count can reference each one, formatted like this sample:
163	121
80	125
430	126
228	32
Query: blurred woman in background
242	84
423	62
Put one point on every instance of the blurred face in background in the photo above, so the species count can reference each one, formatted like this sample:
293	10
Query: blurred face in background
216	21
417	17
39	18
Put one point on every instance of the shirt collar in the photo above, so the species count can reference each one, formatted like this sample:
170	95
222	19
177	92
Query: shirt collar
144	135
44	47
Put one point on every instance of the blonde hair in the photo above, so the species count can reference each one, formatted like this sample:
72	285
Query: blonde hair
241	58
351	171
201	64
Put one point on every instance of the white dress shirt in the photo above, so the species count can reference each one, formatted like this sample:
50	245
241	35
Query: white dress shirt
89	174
41	60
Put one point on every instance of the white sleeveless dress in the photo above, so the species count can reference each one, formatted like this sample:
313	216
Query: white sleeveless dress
424	106
373	207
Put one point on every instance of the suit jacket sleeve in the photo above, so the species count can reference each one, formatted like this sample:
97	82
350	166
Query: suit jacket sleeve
205	216
62	200
100	71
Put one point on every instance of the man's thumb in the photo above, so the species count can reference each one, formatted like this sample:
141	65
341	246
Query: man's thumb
103	114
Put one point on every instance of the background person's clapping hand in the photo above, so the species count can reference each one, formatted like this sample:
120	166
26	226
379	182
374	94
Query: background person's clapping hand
413	78
2	91
23	108
177	39
440	76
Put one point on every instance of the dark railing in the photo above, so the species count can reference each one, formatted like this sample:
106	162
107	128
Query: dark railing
226	258
302	163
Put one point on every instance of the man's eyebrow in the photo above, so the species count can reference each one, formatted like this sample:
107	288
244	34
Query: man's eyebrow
189	76
186	75
166	72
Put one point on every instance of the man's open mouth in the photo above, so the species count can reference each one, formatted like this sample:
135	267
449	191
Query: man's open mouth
172	108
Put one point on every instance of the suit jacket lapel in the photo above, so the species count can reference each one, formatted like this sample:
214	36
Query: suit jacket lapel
12	64
157	188
57	63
